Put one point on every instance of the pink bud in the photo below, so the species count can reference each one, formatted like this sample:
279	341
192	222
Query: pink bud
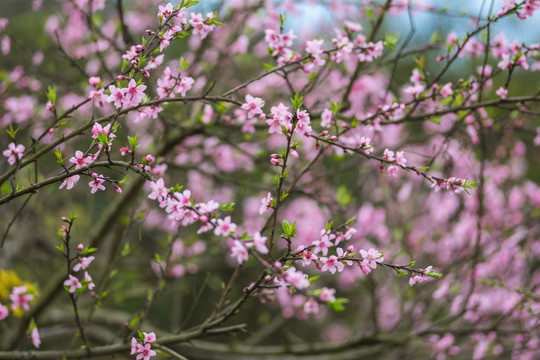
203	218
277	265
134	62
274	162
324	133
139	48
333	138
262	116
51	130
149	159
275	156
95	175
148	32
80	247
146	74
350	249
294	154
65	219
267	277
118	189
121	77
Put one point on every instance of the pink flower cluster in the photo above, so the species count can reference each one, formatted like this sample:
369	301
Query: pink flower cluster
173	82
313	48
144	351
417	278
282	117
200	24
280	44
364	51
132	95
13	153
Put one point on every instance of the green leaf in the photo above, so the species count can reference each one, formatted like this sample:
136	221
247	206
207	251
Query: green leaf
435	274
103	139
328	225
343	195
58	154
51	94
314	278
286	227
297	101
11	132
436	120
88	251
411	263
351	220
391	40
282	19
183	64
227	207
335	107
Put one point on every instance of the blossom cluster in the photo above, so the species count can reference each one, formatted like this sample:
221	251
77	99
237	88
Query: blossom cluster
143	349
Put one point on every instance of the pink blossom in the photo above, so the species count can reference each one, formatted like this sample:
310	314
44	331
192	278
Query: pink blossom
327	119
224	227
184	86
73	283
134	93
87	278
19	298
302	125
314	47
400	158
388	155
159	191
199	27
260	243
94	81
253	105
70	182
145	352
327	295
165	11
149	337
13	153
79	160
501	92
97	183
266	203
307	257
446	90
118	97
4	312
239	252
417	278
98	129
322	245
393	171
352	26
311	306
296	278
83	263
34	335
134	346
153	63
371	258
331	264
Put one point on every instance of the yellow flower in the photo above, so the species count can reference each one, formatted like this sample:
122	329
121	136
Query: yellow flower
9	280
